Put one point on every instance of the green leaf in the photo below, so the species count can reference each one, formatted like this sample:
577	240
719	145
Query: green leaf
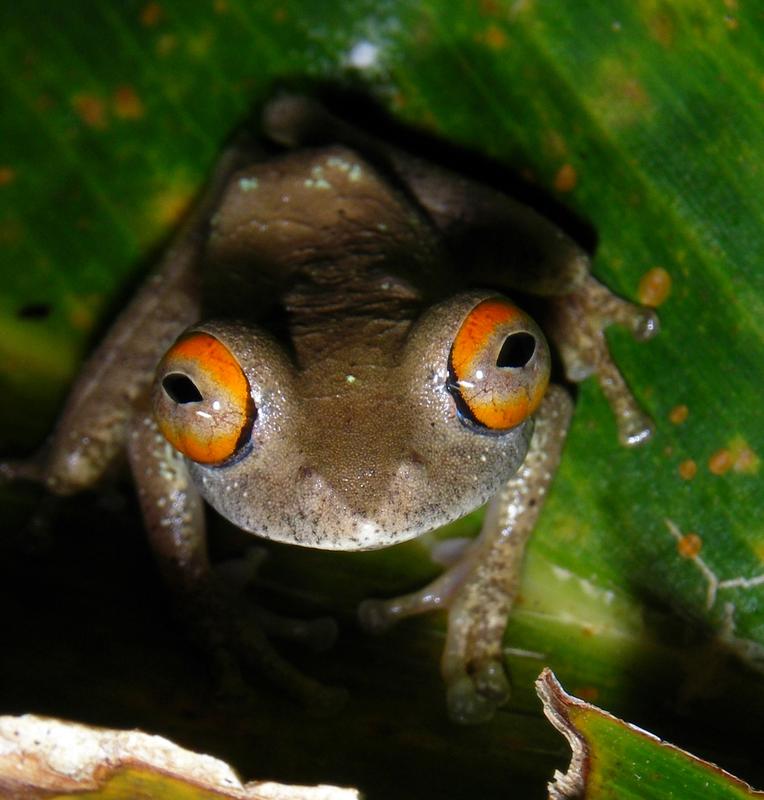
612	759
646	121
44	759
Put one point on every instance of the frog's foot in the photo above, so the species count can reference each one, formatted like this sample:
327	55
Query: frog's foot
479	590
447	552
477	682
236	575
34	534
576	323
28	469
474	696
377	616
238	634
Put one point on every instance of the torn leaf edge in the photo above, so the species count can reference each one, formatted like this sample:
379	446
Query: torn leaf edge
572	784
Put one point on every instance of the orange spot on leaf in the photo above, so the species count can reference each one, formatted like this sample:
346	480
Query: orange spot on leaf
689	545
82	312
7	175
127	104
566	178
11	232
688	469
151	15
654	287
679	414
720	462
663	27
91	110
495	37
166	43
491	8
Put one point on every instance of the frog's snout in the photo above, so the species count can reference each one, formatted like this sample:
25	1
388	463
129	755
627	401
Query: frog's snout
361	507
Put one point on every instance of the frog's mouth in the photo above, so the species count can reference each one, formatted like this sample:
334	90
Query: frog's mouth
311	512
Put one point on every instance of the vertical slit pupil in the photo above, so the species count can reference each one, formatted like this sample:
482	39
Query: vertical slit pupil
517	350
181	389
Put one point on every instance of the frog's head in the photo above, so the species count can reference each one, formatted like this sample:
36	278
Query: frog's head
374	442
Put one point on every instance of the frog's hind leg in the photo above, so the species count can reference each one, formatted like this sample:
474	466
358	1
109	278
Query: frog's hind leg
230	629
480	589
576	323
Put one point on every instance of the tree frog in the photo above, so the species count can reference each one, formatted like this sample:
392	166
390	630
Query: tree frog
329	354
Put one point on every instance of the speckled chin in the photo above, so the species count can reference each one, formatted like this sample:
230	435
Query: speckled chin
313	513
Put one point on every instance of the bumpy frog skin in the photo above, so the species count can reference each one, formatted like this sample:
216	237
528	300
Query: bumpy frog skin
318	358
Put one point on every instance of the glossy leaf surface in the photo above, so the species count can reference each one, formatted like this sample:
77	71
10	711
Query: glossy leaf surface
639	126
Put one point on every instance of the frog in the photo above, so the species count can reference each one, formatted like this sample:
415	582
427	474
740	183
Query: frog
329	354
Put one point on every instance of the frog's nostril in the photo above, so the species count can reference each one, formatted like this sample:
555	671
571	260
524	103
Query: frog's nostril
517	350
181	389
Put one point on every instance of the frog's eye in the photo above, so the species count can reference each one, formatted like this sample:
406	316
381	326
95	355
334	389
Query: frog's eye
202	400
499	366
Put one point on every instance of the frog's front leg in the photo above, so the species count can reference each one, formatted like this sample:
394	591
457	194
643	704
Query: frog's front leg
91	430
230	629
480	589
105	414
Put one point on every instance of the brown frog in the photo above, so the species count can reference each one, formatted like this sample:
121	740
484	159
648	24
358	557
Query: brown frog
316	358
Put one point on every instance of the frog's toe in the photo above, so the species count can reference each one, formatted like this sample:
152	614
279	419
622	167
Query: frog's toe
644	323
258	655
492	682
377	616
229	683
325	701
236	635
21	470
466	705
318	635
447	552
232	689
234	576
577	322
634	426
34	531
473	696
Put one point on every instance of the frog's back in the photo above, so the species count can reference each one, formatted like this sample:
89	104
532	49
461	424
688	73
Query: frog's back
321	234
